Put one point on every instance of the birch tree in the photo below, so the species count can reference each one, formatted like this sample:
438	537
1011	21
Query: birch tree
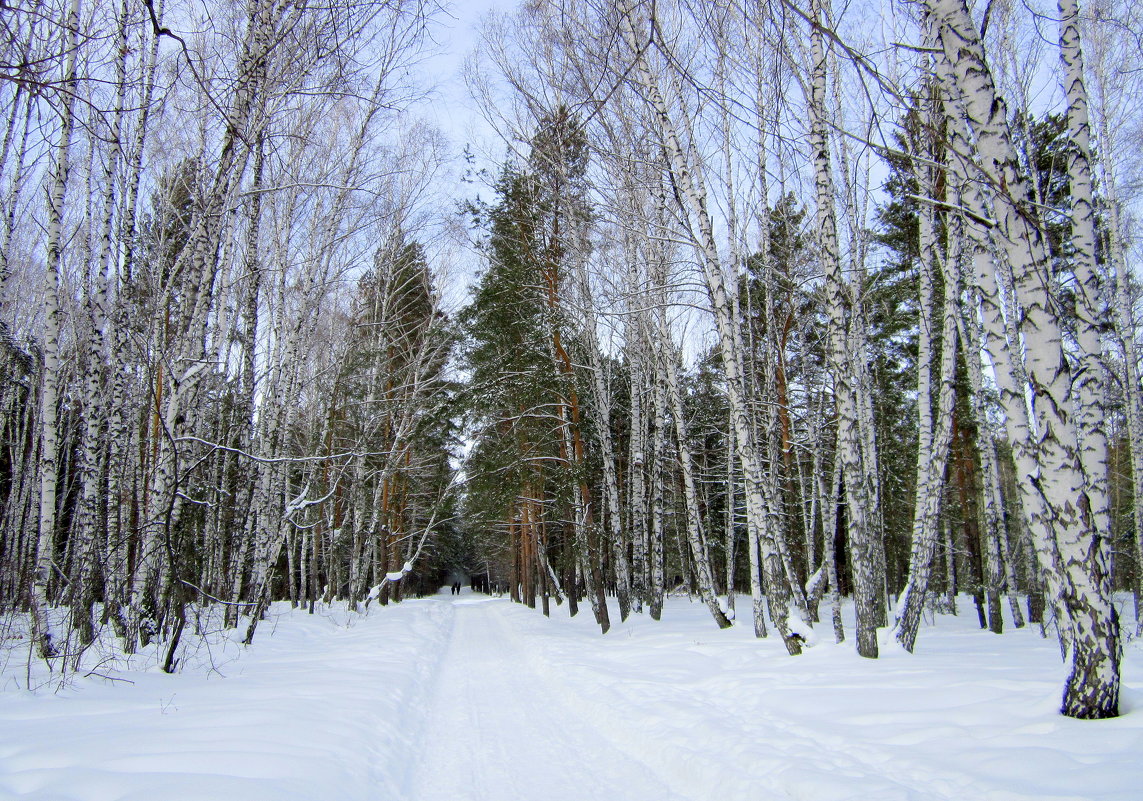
692	200
1076	549
934	430
846	390
49	391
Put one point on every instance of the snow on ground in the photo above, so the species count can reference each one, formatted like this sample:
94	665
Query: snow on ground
475	698
319	708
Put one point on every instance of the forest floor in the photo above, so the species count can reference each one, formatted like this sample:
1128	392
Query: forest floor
475	698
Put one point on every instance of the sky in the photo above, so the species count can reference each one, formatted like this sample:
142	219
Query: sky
453	37
456	34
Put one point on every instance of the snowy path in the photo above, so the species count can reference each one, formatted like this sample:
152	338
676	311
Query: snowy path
496	730
478	699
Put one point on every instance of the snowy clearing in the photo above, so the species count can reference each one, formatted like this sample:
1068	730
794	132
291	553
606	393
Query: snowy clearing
477	698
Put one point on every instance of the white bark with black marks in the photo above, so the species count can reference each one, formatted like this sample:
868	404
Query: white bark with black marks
49	390
1081	549
692	199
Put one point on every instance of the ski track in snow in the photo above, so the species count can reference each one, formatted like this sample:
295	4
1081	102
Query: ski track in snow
495	730
478	699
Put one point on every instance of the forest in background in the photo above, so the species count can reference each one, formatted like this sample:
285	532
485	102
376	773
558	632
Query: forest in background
771	300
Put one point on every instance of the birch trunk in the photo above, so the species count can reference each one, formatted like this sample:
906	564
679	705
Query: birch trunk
1087	381
637	494
950	567
693	204
1000	337
1092	688
774	394
602	397
830	498
992	500
90	526
15	189
846	393
121	435
934	434
49	392
1112	107
658	462
700	555
1133	393
730	525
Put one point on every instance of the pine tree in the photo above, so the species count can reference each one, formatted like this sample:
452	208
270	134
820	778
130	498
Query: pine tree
518	473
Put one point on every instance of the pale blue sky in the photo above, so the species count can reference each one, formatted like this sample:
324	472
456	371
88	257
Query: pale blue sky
456	34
